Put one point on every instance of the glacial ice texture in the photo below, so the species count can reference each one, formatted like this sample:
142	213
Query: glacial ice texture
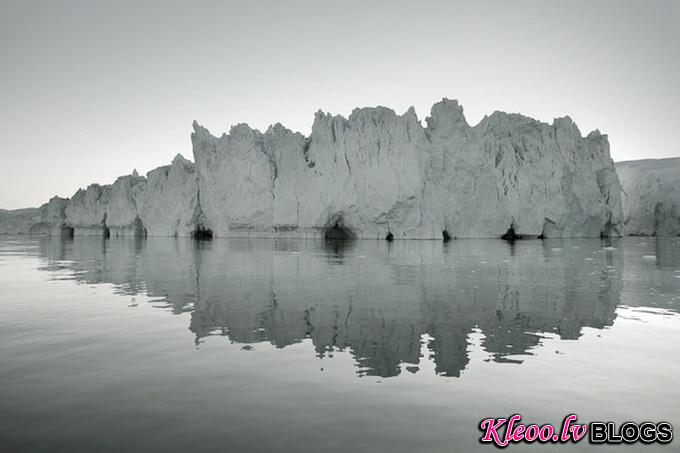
374	174
651	196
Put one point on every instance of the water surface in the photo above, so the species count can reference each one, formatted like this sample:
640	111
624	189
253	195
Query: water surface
306	346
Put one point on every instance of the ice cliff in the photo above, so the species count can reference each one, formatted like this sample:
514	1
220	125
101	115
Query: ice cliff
48	219
375	174
164	203
168	201
651	196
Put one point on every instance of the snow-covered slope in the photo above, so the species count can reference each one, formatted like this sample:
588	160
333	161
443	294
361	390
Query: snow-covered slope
651	196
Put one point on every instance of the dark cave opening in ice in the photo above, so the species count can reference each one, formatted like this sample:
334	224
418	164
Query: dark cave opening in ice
337	231
67	231
511	235
202	234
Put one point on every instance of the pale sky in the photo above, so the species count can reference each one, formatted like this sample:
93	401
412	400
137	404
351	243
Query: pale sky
90	90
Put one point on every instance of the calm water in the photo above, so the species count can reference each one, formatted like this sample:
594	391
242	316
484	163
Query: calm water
305	346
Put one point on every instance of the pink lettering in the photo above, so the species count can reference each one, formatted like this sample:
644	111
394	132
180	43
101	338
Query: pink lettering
514	431
578	431
491	428
546	433
532	433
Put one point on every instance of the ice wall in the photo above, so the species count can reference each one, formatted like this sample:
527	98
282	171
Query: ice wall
375	174
167	203
651	196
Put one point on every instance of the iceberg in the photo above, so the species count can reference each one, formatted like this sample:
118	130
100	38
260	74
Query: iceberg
651	196
373	175
19	221
168	201
377	174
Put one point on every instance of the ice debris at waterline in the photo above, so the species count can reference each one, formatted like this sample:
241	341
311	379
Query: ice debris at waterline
375	174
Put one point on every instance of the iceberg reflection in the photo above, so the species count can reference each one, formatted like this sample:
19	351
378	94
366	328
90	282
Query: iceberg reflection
376	300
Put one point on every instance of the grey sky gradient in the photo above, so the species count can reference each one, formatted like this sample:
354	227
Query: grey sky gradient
90	90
